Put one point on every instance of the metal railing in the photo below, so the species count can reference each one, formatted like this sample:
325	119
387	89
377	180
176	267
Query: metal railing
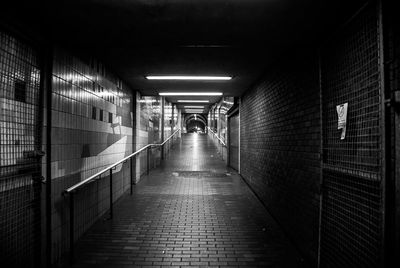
216	135
220	141
73	189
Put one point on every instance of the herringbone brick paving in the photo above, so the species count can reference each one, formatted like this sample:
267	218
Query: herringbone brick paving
191	212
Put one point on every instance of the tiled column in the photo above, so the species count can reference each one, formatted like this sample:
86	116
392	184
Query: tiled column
137	144
162	125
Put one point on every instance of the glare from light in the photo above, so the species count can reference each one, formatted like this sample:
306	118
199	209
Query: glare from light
197	101
190	93
147	101
194	111
187	77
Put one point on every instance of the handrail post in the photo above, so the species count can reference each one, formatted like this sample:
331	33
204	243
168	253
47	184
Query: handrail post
166	148
162	152
111	195
148	160
71	228
222	152
131	161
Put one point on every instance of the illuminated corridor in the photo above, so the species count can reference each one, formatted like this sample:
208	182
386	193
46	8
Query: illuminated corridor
192	211
212	133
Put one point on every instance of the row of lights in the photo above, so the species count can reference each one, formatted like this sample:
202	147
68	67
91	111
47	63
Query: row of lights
190	93
188	77
191	109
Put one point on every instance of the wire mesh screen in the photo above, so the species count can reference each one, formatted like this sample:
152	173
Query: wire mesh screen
19	168
352	192
91	203
234	142
351	75
351	221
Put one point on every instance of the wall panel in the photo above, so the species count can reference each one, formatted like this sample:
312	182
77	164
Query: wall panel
92	126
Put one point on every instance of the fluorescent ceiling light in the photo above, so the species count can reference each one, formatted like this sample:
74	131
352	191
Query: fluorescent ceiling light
198	109
186	77
193	101
193	106
190	93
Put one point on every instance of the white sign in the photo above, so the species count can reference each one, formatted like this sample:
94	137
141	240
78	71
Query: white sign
342	118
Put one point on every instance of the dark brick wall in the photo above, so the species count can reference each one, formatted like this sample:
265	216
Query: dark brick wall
280	147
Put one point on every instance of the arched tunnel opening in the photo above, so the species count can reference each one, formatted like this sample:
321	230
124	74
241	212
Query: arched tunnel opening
195	126
195	123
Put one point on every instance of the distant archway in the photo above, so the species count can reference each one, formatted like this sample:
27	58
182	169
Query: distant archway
195	123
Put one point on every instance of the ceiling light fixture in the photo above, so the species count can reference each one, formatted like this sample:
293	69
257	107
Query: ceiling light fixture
190	93
194	110
189	101
194	106
187	77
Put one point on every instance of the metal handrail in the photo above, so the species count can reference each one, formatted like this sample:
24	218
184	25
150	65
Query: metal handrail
216	135
71	190
91	178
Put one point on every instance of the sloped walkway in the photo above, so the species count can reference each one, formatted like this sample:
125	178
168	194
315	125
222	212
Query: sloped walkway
191	212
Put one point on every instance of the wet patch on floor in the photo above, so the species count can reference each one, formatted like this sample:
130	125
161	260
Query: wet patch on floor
200	174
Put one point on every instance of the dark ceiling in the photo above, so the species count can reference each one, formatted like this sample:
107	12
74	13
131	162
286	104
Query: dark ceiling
240	38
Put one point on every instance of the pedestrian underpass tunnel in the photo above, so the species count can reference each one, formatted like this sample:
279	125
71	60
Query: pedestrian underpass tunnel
199	133
195	123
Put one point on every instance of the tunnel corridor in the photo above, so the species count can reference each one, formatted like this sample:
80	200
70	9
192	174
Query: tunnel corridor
190	211
213	133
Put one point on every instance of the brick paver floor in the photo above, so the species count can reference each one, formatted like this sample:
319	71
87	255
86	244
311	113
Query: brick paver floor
192	211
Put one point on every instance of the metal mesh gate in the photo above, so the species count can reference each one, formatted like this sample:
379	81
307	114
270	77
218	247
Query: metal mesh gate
352	220
234	141
19	140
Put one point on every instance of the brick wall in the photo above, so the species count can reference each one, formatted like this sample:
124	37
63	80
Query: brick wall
280	147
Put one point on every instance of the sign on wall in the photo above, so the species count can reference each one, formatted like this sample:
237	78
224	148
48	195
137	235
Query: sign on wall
342	118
